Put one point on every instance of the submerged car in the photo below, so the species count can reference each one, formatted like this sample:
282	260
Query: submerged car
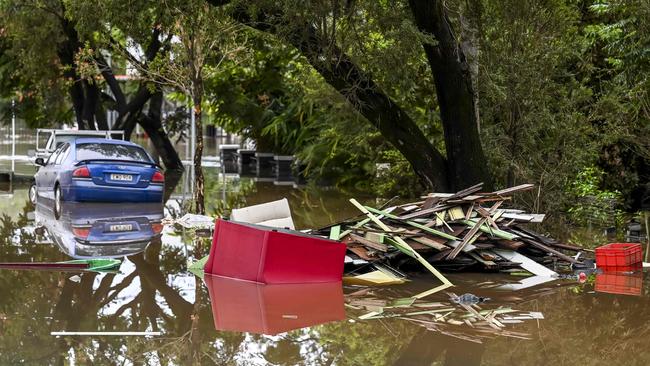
99	170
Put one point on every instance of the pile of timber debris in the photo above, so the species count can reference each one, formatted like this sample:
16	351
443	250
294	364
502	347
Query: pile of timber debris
465	230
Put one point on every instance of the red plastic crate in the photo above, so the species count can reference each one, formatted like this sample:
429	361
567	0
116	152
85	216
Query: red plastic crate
618	254
243	306
620	283
267	255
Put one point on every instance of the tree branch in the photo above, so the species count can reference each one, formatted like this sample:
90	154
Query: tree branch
340	71
109	77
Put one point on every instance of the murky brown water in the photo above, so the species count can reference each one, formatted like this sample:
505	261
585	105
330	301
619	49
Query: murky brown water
221	322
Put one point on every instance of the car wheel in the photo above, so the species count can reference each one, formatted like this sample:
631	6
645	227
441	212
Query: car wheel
57	202
33	195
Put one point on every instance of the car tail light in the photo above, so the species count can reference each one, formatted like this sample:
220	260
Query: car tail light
157	228
82	172
81	232
158	177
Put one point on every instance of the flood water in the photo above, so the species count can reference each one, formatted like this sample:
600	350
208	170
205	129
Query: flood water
188	320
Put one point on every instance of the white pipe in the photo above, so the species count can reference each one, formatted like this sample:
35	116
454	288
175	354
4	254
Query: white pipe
13	134
193	141
193	132
105	333
187	142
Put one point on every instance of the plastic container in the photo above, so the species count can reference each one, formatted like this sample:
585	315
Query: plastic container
618	255
267	255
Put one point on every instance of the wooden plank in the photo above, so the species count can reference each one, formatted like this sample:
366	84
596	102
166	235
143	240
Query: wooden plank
436	244
551	242
430	202
362	253
418	246
439	256
468	215
358	225
498	233
525	263
509	244
412	223
335	232
402	245
511	190
467	191
369	243
550	250
486	214
441	216
534	218
456	213
466	249
486	263
421	213
374	236
466	239
483	245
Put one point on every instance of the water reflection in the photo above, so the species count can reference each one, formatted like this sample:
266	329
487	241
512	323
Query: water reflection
100	230
154	292
243	306
629	282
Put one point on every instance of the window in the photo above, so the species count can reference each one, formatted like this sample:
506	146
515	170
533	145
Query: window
53	156
63	154
103	151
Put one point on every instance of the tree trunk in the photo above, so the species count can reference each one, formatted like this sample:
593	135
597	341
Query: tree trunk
392	122
100	117
90	104
66	51
513	135
77	97
465	158
199	188
471	30
152	125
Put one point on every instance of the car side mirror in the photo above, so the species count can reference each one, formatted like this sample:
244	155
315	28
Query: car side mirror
39	161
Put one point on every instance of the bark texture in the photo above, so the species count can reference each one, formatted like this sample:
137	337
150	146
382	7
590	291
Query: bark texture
465	158
152	125
199	187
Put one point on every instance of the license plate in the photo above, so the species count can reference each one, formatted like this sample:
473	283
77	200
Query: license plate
122	177
120	227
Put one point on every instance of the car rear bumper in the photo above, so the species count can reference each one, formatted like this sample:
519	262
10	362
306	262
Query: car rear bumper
87	191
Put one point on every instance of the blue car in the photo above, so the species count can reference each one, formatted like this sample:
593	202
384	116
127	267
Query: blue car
100	170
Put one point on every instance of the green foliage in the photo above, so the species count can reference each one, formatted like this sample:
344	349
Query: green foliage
531	121
563	85
394	177
29	73
272	97
594	205
557	91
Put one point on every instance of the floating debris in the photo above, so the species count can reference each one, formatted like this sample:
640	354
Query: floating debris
75	278
469	299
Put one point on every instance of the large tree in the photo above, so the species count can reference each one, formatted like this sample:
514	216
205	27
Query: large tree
464	163
55	43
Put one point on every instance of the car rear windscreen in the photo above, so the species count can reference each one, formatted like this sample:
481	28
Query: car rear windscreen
99	151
